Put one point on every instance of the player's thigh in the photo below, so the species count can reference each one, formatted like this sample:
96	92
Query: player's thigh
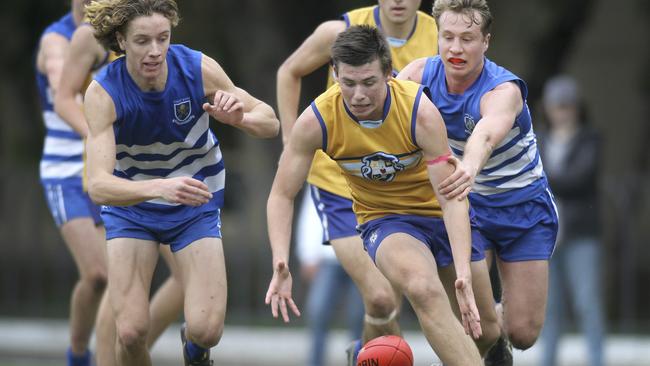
525	288
407	262
168	257
131	263
354	259
86	243
203	271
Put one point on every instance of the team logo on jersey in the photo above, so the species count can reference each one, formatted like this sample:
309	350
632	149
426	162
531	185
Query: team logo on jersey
469	124
380	166
182	111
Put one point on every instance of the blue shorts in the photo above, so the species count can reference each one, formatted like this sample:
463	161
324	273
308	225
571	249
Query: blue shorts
430	231
335	213
178	234
67	200
522	232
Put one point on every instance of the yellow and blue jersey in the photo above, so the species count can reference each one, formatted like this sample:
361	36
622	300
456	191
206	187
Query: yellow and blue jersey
383	165
421	42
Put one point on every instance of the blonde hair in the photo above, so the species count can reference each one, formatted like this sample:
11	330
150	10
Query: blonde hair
469	8
108	17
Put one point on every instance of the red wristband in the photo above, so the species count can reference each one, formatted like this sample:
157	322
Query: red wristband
439	159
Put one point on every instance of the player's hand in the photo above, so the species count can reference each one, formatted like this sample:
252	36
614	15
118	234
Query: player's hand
186	191
279	293
226	108
459	183
468	311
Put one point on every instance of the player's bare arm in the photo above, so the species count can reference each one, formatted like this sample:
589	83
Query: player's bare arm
50	58
105	188
431	136
292	172
413	71
234	106
83	55
499	109
313	53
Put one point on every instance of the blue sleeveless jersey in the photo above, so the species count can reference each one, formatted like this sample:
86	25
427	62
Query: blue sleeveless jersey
513	173
62	158
165	134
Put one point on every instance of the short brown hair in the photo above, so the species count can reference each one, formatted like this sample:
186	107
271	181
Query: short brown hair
468	8
362	44
111	16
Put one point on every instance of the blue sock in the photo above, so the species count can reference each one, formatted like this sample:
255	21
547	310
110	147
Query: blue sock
357	348
75	360
195	352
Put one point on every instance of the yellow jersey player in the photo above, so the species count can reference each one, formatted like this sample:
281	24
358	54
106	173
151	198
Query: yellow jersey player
391	144
411	34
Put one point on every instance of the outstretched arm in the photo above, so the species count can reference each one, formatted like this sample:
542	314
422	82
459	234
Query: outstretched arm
234	106
312	54
431	135
107	189
83	55
292	172
499	109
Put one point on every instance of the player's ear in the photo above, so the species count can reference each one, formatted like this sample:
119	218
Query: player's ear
486	42
120	40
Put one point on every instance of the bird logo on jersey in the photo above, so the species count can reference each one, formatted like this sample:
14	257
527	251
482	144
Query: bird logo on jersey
182	111
469	124
380	166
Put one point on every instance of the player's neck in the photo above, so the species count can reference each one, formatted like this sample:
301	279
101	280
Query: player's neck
395	30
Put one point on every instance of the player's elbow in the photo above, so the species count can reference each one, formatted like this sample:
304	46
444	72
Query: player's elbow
95	191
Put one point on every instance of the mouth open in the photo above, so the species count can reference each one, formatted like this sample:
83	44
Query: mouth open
456	61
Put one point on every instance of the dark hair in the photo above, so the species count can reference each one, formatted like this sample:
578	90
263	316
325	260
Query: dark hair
362	44
111	16
469	8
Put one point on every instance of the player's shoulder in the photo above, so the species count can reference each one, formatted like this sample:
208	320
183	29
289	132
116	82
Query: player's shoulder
413	71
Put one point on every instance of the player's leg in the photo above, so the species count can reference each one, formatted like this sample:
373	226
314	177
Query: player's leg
553	324
203	271
167	301
525	286
105	333
409	264
131	263
379	297
86	245
484	301
76	216
339	229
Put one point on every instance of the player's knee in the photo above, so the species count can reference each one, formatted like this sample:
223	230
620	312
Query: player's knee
523	337
132	336
206	335
422	292
98	281
381	304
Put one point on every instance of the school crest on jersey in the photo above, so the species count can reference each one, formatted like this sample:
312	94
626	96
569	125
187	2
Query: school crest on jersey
182	111
469	124
380	166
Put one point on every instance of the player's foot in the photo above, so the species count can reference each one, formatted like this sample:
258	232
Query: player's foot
205	360
352	351
76	360
500	354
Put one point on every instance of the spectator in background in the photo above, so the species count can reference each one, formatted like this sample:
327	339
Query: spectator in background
570	151
328	284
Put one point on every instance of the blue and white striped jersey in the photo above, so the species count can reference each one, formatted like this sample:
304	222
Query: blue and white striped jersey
514	172
165	134
62	157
